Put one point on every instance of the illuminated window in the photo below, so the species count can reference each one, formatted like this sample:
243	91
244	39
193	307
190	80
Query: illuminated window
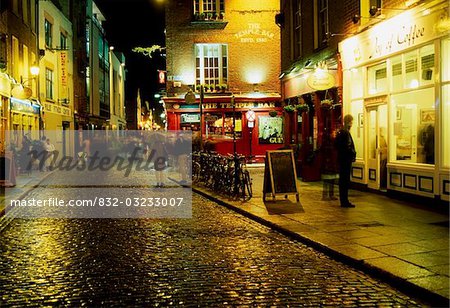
413	69
15	58
49	83
48	28
220	125
413	123
211	64
377	77
209	6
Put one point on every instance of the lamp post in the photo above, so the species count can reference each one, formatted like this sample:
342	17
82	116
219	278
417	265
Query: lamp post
251	116
201	116
235	156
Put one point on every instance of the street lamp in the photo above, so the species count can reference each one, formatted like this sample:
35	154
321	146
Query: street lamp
251	117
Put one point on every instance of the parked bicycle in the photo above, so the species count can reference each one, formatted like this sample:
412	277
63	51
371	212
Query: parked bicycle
224	174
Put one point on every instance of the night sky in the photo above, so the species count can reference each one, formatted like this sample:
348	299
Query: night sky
132	23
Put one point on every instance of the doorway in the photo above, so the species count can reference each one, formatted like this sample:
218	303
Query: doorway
377	123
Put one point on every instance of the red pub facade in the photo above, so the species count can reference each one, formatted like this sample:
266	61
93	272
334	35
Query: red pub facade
230	49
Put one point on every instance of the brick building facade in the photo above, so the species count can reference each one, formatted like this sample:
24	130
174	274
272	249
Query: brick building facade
388	62
232	50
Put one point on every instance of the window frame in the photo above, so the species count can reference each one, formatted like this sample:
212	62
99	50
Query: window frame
217	6
202	73
297	29
48	29
321	23
62	41
49	86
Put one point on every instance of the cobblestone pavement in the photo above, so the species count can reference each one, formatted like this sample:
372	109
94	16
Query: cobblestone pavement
216	258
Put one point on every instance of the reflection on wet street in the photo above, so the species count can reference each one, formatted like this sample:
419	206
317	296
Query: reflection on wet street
216	258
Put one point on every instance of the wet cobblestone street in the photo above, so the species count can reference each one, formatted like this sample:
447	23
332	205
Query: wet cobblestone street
216	258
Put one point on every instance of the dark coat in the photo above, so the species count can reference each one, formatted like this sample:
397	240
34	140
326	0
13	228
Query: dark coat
345	147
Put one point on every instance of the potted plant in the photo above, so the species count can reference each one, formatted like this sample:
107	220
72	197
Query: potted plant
273	113
326	103
197	87
223	87
302	108
217	87
289	108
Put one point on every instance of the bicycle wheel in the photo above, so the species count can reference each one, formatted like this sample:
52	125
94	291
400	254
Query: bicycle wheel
247	189
196	168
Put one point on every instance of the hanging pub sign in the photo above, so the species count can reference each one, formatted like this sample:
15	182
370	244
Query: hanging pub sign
270	130
321	80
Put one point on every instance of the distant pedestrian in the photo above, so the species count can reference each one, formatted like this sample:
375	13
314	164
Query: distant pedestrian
42	153
346	155
183	149
161	155
50	152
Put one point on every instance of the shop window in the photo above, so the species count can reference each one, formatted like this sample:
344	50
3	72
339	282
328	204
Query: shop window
211	64
190	121
214	124
48	28
228	125
427	65
446	128
397	73
411	70
357	130
377	78
357	83
413	123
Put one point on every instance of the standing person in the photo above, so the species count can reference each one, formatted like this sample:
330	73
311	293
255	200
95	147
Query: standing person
85	152
41	152
161	157
346	155
183	148
50	152
25	158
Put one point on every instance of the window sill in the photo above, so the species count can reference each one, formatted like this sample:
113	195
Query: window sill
209	24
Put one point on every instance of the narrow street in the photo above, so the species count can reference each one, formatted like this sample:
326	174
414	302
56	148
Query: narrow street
216	258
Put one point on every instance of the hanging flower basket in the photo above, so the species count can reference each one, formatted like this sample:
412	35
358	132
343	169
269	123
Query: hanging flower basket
273	113
326	103
302	108
289	108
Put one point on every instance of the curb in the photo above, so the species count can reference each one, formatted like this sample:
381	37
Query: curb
25	193
399	283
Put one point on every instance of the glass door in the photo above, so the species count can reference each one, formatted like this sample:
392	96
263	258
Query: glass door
376	168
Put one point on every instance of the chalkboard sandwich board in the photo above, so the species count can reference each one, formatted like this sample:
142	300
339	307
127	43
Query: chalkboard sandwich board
280	177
